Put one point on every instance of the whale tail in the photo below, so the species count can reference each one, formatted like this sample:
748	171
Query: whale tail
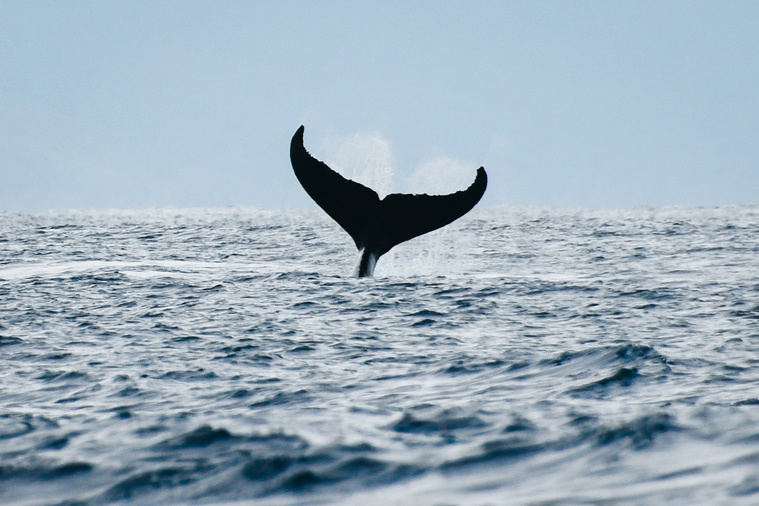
377	225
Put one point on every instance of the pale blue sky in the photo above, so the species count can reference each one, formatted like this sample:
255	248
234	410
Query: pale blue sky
583	104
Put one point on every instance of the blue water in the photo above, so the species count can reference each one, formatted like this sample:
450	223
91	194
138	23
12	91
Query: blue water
521	355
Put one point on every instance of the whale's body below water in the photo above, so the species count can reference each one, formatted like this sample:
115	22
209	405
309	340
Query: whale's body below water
377	225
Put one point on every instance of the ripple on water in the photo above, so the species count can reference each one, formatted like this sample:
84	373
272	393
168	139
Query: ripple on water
547	356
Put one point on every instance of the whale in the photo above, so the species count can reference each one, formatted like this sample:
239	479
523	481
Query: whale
377	225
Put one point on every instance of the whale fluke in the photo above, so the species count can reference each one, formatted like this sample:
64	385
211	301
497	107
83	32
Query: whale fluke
377	225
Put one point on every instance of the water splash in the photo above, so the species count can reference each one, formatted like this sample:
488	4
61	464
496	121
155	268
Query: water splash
442	175
366	159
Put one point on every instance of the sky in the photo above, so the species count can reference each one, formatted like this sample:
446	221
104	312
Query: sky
591	104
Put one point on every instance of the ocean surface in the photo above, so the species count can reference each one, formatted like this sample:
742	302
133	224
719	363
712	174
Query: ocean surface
518	356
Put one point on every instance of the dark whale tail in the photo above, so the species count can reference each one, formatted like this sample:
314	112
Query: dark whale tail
377	225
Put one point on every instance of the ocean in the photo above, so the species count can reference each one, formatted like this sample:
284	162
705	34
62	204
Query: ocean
518	356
